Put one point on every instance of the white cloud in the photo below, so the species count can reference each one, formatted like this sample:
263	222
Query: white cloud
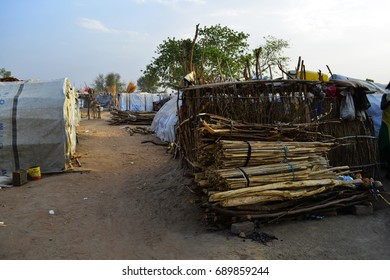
94	24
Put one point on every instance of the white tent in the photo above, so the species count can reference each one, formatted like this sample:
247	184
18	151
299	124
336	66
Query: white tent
140	102
37	125
164	122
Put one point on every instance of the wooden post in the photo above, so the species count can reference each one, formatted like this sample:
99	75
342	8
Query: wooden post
193	47
297	69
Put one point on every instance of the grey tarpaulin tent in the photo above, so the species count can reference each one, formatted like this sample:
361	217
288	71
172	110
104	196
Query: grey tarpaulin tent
37	125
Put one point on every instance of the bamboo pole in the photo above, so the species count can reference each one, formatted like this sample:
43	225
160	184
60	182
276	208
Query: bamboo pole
267	196
281	185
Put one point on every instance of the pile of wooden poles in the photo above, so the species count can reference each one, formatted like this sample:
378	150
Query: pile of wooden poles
257	163
277	171
211	129
119	117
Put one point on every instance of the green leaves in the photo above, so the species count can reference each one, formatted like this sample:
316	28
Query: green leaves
271	53
4	73
220	53
148	83
111	80
224	49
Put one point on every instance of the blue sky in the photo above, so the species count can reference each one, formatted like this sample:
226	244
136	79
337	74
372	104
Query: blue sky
79	39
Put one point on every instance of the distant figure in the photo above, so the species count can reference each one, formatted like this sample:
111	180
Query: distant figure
384	136
110	103
158	104
94	108
99	111
91	98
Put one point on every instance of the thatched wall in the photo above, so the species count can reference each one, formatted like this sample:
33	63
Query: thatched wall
283	102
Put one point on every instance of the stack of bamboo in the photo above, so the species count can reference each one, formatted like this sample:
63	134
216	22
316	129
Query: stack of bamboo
274	176
245	153
278	192
242	177
131	117
214	128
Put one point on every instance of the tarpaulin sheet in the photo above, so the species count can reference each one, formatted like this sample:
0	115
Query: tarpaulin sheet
375	111
164	122
142	102
37	125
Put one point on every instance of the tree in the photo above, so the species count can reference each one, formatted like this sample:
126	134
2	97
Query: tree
114	85
269	56
99	83
224	51
110	83
215	54
4	73
148	83
172	62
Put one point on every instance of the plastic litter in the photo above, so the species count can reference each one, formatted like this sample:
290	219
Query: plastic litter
345	178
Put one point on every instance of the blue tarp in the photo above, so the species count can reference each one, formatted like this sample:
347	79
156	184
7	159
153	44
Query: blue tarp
375	111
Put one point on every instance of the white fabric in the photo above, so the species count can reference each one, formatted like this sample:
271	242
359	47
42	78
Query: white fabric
37	125
164	122
142	102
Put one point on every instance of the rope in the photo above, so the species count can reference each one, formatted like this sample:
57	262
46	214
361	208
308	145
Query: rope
249	154
285	148
245	176
292	170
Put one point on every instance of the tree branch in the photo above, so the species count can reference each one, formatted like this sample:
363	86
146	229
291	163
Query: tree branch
193	47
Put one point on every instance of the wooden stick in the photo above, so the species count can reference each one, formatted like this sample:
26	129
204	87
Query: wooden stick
281	185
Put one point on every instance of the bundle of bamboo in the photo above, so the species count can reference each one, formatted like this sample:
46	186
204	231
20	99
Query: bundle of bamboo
325	202
244	177
278	191
212	144
252	153
259	177
131	117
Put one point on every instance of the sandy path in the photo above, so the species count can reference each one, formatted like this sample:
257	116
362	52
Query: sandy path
135	203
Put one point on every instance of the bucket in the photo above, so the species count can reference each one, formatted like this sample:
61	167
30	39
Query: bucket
34	172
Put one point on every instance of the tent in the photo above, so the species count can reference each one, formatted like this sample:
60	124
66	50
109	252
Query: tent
371	86
37	125
141	102
164	122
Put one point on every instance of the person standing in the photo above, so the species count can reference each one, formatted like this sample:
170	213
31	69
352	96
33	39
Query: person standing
384	135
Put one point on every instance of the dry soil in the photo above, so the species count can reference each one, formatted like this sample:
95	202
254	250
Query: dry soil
132	201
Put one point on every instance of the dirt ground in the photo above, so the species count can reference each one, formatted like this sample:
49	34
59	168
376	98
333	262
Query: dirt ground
134	202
